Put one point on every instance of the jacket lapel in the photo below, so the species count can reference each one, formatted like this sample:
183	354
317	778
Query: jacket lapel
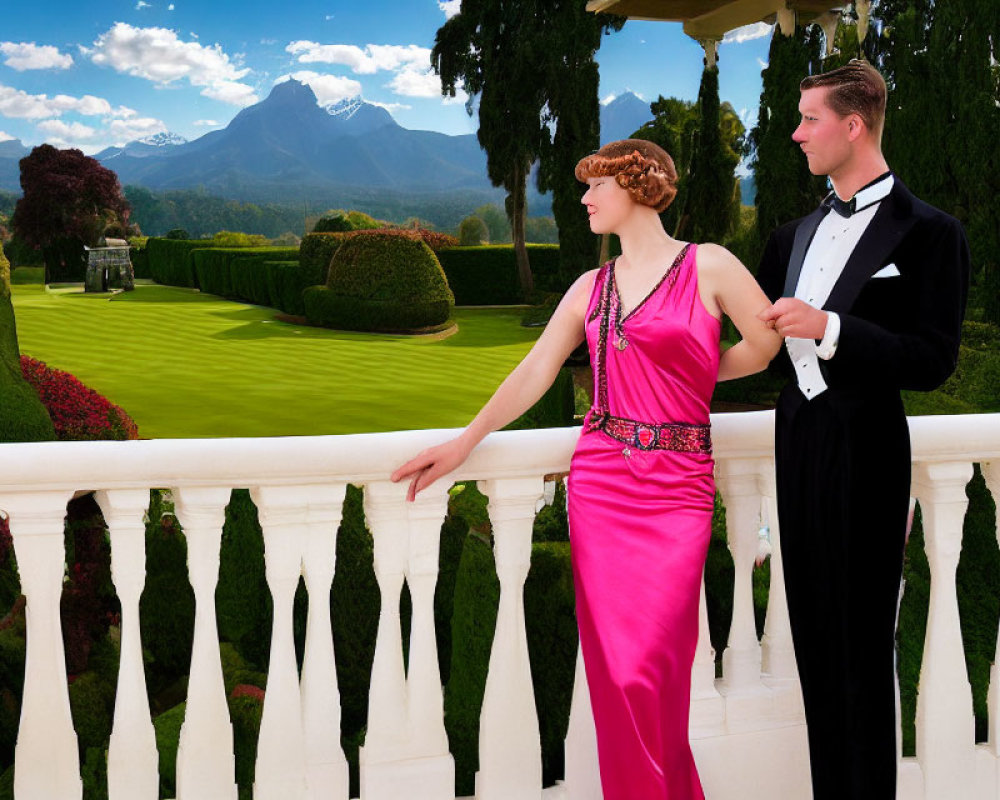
803	238
891	222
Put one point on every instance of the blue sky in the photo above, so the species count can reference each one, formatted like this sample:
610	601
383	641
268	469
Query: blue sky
91	74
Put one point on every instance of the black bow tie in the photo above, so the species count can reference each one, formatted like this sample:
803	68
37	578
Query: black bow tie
843	207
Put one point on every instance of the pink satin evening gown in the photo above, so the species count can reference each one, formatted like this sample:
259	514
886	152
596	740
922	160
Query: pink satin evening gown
641	495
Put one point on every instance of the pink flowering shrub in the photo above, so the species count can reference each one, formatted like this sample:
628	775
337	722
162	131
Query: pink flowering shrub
77	412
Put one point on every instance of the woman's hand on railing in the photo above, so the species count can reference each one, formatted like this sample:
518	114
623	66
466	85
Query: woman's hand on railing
433	463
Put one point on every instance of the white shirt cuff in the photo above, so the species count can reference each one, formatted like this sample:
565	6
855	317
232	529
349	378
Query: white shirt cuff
831	337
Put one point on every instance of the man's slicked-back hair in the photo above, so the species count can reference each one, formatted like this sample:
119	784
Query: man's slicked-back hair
855	88
643	169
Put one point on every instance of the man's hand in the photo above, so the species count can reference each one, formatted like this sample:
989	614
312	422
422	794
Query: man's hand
794	318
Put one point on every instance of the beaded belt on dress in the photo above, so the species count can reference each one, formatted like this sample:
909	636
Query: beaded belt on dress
680	437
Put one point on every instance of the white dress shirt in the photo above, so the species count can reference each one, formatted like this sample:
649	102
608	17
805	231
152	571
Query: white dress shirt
828	253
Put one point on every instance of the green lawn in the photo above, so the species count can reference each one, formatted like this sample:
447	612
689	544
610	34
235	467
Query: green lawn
184	364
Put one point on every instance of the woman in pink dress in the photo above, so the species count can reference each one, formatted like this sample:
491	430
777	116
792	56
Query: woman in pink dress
641	486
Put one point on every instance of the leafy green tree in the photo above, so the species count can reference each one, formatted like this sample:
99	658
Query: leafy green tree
677	127
786	189
530	65
544	230
69	199
674	127
473	231
496	221
493	49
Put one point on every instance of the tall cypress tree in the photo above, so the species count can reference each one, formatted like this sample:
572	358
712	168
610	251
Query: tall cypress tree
942	121
712	206
571	85
786	189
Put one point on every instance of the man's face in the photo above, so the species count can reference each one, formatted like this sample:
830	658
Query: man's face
822	134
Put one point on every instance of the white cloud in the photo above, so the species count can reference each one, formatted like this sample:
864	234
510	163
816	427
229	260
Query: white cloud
141	5
450	7
19	104
67	131
762	62
6	137
757	30
232	92
208	123
609	99
170	7
28	55
329	89
414	83
125	131
158	55
362	61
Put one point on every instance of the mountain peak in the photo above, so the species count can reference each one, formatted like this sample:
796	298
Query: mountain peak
292	91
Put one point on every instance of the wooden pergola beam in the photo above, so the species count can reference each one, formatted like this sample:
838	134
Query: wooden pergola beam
710	19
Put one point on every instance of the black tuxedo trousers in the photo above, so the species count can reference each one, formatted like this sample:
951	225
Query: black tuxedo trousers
843	497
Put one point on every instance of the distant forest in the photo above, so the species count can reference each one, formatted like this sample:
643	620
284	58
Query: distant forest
203	215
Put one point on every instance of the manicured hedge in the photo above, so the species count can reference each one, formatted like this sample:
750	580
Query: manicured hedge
170	261
315	253
139	256
381	281
487	275
238	273
317	249
286	281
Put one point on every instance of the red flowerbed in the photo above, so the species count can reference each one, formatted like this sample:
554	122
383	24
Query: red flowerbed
77	412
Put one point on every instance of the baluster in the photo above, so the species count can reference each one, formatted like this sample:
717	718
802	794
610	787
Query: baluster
777	652
206	767
991	474
510	763
46	764
741	661
428	741
385	739
945	722
133	761
280	770
583	775
327	774
708	709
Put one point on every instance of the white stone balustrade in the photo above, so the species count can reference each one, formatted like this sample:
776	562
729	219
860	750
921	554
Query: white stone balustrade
747	729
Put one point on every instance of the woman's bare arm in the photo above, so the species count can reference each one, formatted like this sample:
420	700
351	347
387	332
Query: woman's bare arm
726	283
520	390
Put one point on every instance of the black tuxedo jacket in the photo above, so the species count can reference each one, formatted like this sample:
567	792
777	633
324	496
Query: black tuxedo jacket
896	332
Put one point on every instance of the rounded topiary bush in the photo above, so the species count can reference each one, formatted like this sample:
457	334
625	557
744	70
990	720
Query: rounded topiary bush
381	281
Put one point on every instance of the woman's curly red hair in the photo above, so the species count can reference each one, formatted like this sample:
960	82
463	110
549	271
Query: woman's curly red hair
641	168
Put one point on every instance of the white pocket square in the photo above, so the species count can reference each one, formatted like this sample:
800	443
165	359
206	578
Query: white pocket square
888	271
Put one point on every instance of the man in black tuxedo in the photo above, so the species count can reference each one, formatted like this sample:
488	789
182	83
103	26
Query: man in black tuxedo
869	292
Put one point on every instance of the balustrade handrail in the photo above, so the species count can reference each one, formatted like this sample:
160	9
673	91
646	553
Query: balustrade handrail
365	457
298	484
